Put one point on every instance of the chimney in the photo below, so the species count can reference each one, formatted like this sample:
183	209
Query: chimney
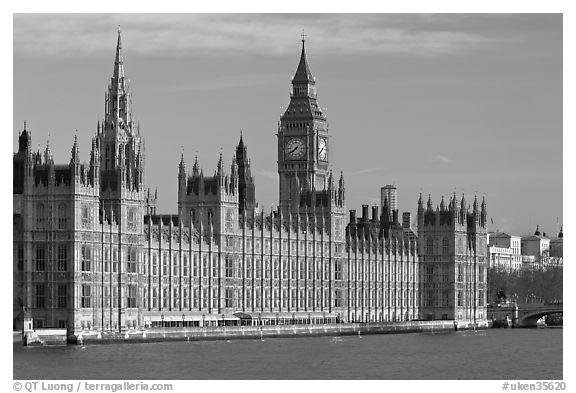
352	216
395	216
375	213
364	212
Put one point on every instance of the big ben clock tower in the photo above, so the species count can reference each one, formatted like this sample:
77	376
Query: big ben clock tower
302	139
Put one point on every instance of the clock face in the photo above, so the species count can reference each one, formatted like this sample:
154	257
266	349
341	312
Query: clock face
322	149
295	148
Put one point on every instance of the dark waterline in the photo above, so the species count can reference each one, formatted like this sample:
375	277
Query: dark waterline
485	354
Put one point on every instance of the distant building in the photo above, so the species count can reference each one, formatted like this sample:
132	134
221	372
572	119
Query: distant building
532	252
557	246
389	195
504	251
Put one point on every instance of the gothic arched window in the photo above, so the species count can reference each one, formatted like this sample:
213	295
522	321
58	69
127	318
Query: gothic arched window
429	246
445	246
86	219
40	216
62	216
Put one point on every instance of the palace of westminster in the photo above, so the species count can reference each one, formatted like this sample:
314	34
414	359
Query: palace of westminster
91	252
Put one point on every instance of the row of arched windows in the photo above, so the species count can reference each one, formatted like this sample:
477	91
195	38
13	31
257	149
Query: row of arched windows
42	216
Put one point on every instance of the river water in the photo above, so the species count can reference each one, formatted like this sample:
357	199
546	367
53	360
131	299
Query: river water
484	354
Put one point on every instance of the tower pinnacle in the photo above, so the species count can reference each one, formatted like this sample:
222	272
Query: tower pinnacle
119	60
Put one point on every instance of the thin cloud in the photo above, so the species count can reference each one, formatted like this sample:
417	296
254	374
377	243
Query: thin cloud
442	159
364	171
248	34
266	174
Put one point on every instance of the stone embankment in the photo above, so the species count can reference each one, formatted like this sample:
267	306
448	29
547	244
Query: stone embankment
60	336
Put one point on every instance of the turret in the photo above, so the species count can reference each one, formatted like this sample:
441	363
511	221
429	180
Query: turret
75	160
182	175
483	213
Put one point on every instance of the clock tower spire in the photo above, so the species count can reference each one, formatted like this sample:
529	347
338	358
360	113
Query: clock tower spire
302	138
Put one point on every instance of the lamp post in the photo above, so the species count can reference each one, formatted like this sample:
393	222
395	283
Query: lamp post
162	318
223	320
183	318
203	320
293	318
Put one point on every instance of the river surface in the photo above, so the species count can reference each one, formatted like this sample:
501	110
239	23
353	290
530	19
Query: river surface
484	354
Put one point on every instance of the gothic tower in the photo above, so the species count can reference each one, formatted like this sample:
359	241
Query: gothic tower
246	186
302	140
121	151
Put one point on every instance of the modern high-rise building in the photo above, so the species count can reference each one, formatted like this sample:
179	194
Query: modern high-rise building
389	195
92	253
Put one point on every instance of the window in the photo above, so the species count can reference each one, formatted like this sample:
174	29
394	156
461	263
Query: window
154	297
62	216
445	246
248	267
132	260
164	264
215	266
154	264
266	267
175	267
229	268
114	261
86	215
276	268
204	266
195	270
229	298
40	258
132	296
62	300
429	246
338	270
40	216
229	220
40	299
62	258
86	296
20	256
185	270
132	217
165	298
86	258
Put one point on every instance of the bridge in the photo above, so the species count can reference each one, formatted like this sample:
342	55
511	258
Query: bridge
528	314
524	315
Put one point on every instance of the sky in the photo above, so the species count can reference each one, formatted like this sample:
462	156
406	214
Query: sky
432	103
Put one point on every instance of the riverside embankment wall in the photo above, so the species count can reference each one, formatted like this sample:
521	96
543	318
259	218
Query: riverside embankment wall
238	332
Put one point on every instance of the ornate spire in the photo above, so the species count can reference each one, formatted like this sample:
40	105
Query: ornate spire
75	152
195	168
119	60
24	140
48	153
220	166
182	166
